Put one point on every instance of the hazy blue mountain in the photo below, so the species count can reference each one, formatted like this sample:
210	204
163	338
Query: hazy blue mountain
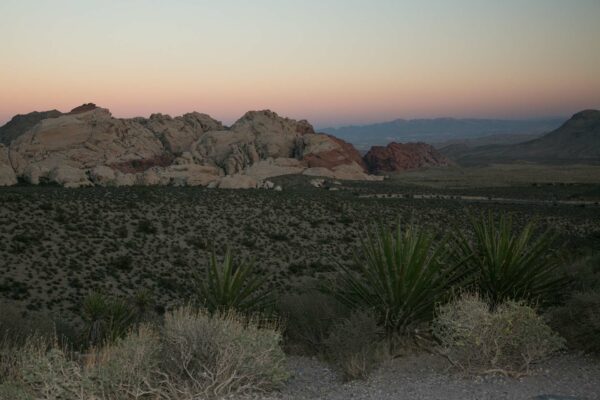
439	130
575	141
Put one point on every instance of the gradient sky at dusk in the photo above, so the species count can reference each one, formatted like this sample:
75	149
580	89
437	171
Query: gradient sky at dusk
330	61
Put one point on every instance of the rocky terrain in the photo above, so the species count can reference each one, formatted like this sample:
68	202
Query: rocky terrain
88	146
403	156
576	141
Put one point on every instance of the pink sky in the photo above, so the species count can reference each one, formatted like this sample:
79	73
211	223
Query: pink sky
333	62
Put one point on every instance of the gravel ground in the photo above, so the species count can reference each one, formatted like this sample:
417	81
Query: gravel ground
426	376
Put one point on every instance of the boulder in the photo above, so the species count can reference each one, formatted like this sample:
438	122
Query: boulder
274	167
318	171
238	181
102	175
125	179
7	174
188	175
69	177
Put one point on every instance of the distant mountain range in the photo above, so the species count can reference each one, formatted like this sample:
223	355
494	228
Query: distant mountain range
575	141
440	130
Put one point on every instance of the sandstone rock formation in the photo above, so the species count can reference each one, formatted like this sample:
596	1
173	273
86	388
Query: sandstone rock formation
7	174
403	156
88	146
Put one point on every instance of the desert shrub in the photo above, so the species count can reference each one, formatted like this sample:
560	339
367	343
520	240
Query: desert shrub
578	321
231	286
355	346
400	276
508	265
307	319
126	369
219	354
508	339
106	318
41	370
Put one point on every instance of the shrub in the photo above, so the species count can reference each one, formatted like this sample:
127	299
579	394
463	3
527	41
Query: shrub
126	369
578	321
509	266
399	276
42	370
507	340
220	354
308	317
354	345
230	286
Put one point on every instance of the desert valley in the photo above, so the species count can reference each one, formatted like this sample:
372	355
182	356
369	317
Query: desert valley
275	200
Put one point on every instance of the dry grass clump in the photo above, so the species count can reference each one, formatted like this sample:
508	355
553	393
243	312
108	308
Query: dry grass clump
505	340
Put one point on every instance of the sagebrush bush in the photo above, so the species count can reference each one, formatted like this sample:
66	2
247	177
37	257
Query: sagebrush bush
509	266
355	345
195	355
126	369
399	275
307	319
508	339
220	354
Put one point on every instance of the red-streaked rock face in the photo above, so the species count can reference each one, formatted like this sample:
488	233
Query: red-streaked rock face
341	153
403	156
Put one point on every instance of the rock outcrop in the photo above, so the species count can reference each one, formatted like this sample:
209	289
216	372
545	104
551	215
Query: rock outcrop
7	174
403	156
20	124
88	146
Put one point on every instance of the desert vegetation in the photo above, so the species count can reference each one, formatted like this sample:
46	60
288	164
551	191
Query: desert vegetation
195	294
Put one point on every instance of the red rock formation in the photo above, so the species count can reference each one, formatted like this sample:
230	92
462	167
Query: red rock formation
403	156
344	154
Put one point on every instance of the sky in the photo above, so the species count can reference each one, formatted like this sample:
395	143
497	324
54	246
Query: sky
333	62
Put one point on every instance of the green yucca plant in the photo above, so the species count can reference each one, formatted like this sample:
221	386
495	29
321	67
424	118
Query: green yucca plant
106	319
509	266
399	275
231	286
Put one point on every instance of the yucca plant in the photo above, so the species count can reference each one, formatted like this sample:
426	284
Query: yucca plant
106	319
231	286
509	265
399	275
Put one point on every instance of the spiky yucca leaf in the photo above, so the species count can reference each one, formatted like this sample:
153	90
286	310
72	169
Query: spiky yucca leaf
511	266
229	286
400	276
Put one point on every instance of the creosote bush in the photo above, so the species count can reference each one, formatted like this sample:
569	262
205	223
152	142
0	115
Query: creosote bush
506	340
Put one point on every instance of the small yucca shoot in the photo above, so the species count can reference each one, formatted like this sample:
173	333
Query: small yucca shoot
230	286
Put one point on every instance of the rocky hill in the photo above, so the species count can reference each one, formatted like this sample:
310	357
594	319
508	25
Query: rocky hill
403	156
88	146
576	141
